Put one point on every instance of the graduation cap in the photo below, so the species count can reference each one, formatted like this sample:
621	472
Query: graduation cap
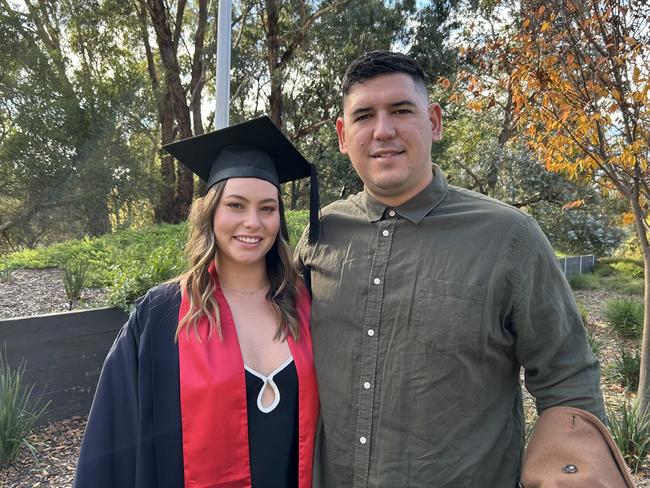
252	149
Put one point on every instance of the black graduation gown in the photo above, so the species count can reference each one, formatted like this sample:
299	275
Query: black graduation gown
133	436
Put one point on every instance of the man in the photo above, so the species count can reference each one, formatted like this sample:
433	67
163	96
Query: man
427	301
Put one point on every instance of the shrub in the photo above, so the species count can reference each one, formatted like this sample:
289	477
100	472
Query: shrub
626	367
625	315
631	432
19	412
584	281
74	279
584	314
5	273
595	343
627	285
129	262
629	268
297	220
604	268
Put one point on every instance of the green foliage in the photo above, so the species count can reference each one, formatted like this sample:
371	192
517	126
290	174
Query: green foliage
630	429
129	262
604	267
629	267
19	411
630	248
626	367
74	279
134	277
5	273
584	314
595	343
471	156
297	220
628	286
584	281
625	315
624	275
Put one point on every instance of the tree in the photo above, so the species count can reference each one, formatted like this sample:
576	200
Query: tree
580	83
68	128
179	107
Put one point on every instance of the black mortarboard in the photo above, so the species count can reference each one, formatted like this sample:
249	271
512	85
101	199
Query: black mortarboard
252	149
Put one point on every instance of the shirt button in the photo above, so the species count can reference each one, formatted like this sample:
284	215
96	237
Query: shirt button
366	385
371	332
385	233
363	440
376	281
391	213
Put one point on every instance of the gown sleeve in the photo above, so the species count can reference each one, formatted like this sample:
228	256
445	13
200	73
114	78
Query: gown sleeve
108	456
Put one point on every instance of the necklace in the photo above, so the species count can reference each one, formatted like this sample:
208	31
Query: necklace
244	292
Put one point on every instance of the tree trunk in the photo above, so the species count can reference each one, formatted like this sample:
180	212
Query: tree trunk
644	380
164	202
166	45
167	195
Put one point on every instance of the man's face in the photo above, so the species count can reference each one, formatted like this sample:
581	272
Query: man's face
386	130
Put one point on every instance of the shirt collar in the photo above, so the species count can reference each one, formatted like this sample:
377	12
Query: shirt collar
417	207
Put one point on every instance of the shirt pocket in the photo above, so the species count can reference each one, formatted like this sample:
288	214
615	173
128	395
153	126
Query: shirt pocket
448	315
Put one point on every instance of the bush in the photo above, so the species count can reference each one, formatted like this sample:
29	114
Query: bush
629	286
129	262
5	273
604	268
626	368
621	274
74	279
631	432
19	412
625	315
595	343
629	268
584	314
581	281
297	220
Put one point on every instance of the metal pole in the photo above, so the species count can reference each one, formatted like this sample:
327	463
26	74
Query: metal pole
222	101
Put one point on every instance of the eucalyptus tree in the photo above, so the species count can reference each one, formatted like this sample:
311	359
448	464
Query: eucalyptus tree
69	88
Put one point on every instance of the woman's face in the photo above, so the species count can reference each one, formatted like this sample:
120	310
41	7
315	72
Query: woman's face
246	221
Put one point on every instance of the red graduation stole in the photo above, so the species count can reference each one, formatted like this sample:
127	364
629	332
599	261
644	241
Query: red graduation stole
214	416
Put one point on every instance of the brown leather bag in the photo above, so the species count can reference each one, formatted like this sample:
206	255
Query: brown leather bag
571	448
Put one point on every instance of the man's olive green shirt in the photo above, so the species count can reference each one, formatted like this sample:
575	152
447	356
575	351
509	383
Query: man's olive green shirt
422	316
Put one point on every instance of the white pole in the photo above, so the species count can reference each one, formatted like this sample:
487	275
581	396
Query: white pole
222	102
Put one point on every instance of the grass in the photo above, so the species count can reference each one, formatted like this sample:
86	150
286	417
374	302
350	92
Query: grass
595	342
631	432
621	275
74	279
584	281
625	315
626	366
5	274
19	412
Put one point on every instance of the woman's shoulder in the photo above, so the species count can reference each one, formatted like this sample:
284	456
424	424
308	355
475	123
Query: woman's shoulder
160	299
165	291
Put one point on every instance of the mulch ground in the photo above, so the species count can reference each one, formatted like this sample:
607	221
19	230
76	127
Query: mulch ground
54	466
41	291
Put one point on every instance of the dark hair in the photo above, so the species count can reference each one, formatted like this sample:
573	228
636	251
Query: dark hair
377	63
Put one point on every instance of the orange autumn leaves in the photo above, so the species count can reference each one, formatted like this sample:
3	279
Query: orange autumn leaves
575	77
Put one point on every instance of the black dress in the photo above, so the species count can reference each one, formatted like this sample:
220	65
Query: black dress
273	430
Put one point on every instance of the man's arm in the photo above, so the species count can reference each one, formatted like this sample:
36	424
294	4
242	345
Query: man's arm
551	342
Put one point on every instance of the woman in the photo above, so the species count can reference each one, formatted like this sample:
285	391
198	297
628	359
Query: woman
211	381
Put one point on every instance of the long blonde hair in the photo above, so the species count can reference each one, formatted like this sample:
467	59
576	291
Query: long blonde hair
201	251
